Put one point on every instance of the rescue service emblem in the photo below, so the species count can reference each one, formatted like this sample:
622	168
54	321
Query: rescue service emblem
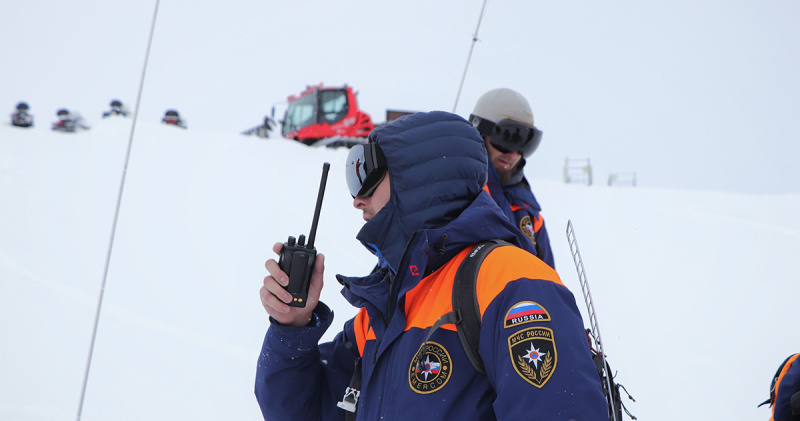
431	372
526	312
526	226
533	354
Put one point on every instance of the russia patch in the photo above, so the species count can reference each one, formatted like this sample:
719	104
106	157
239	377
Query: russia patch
526	312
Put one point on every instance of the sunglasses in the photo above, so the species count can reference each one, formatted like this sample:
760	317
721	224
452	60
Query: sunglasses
365	169
511	136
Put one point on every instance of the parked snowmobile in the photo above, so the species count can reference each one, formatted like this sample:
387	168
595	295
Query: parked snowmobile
21	117
172	117
117	108
264	129
69	122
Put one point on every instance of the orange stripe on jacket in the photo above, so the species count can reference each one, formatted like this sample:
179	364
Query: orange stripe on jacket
433	296
362	330
509	264
780	377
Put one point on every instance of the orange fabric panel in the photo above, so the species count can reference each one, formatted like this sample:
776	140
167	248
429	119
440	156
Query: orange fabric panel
780	377
486	188
515	208
433	296
362	330
516	263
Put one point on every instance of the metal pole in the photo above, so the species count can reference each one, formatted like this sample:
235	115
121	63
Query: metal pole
469	56
116	214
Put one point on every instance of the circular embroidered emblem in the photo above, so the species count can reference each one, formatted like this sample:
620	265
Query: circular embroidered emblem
526	226
430	369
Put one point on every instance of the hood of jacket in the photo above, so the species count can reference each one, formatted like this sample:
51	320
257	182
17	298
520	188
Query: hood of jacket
437	166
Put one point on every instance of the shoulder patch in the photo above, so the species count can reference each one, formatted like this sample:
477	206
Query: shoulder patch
430	373
526	226
526	312
533	354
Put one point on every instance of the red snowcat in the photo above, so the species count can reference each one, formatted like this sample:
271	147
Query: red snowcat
325	112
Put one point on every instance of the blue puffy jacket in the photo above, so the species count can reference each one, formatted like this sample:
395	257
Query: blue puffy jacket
538	363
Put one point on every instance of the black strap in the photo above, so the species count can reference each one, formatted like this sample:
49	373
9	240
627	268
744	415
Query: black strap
794	403
350	400
353	391
465	315
465	301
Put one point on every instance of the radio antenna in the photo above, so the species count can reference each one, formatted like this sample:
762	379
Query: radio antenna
313	233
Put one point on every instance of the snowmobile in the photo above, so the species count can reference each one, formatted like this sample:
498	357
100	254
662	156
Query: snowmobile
22	118
68	122
172	117
117	108
264	129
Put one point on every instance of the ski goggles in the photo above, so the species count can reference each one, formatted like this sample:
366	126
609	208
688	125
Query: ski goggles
365	169
511	136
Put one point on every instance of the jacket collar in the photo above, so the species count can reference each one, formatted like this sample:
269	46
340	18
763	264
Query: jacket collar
428	250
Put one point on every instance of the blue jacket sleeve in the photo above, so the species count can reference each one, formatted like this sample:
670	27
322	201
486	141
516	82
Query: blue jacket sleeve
296	379
540	366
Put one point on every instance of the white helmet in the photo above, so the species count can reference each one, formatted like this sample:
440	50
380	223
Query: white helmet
508	108
503	103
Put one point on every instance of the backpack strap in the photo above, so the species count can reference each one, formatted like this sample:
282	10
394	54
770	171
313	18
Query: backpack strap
465	301
466	315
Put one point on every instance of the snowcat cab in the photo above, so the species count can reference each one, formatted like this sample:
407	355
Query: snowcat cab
117	108
172	117
325	112
22	118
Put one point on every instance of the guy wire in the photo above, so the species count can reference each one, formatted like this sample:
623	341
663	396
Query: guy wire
116	213
469	56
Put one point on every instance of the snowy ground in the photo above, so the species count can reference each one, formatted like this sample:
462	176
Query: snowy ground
695	291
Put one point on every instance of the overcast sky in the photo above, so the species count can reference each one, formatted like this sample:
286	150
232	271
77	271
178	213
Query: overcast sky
690	95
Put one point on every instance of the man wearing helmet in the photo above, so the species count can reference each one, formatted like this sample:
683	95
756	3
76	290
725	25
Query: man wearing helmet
505	120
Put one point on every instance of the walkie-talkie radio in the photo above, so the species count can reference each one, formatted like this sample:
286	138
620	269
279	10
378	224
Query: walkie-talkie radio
297	258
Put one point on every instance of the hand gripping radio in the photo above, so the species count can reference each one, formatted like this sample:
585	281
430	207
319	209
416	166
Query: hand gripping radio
297	258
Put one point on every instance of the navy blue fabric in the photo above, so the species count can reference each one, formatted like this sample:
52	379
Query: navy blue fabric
437	165
482	220
519	194
788	386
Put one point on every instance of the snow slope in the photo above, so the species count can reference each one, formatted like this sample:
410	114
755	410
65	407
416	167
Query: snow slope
708	87
695	291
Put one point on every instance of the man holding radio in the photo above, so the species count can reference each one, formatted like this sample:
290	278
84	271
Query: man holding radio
419	186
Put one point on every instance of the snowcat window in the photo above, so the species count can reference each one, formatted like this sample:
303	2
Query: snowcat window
301	113
333	105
